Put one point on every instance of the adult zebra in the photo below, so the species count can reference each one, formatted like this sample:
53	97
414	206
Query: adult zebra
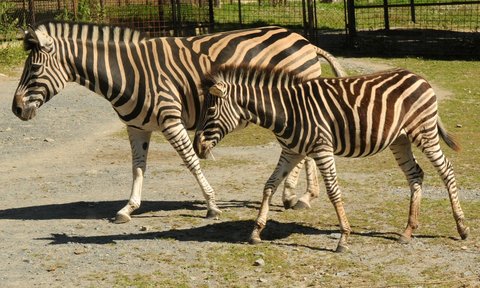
153	84
350	117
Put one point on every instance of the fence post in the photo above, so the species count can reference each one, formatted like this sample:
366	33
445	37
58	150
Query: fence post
385	15
75	9
161	13
412	10
309	21
240	12
304	14
31	9
211	17
179	19
351	26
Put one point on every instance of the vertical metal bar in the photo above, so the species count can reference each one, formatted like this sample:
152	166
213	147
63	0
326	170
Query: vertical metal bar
174	17
240	13
179	19
211	17
161	18
385	15
310	10
304	14
412	10
351	25
31	8
25	21
315	23
75	9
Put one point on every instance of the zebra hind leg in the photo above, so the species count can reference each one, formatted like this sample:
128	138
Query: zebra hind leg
431	148
312	185
402	151
139	142
289	198
284	166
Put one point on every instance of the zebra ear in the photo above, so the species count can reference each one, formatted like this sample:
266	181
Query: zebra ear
217	90
30	40
36	39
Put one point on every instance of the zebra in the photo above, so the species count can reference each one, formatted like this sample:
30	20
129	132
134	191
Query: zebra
153	84
350	117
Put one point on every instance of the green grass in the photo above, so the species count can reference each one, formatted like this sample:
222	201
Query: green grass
12	56
157	279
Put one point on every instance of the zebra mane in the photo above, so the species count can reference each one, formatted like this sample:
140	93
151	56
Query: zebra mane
251	75
66	29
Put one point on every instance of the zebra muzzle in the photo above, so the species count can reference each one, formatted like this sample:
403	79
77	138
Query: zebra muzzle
202	148
26	110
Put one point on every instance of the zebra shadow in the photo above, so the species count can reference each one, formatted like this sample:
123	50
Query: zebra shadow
234	232
93	210
108	209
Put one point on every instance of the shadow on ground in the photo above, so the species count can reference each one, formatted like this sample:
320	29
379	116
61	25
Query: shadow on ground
92	210
108	209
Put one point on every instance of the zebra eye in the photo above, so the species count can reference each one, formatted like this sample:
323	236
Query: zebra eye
35	68
211	110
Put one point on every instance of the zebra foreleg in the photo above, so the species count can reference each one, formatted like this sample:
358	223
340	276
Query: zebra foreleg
139	143
402	151
177	136
284	166
326	165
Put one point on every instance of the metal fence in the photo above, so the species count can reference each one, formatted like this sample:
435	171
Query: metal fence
449	15
416	27
343	26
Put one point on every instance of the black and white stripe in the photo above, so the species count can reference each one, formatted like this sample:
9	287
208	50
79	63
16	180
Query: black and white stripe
153	84
350	117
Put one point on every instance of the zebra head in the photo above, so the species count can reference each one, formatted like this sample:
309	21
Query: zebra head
219	117
42	76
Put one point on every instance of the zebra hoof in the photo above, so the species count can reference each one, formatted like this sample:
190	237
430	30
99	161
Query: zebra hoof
464	232
301	205
341	249
122	218
404	239
289	204
213	213
255	240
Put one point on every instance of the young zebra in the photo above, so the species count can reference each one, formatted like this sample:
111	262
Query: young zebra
350	117
153	84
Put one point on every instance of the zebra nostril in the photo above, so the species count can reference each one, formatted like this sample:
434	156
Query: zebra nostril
18	111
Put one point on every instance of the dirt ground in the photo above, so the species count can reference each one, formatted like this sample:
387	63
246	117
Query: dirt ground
64	175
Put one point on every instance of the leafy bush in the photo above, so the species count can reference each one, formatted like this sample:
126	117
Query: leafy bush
8	24
87	11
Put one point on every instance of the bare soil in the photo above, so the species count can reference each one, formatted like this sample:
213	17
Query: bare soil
64	175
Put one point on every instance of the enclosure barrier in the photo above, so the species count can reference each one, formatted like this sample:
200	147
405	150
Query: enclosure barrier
343	26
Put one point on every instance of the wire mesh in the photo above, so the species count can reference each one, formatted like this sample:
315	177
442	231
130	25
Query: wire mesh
322	21
451	15
155	17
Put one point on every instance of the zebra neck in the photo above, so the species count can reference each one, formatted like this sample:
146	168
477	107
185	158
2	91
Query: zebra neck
108	68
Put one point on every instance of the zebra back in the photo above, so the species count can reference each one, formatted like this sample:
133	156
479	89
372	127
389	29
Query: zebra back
75	30
358	115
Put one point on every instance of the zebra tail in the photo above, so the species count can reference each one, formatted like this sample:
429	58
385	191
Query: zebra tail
337	68
448	137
